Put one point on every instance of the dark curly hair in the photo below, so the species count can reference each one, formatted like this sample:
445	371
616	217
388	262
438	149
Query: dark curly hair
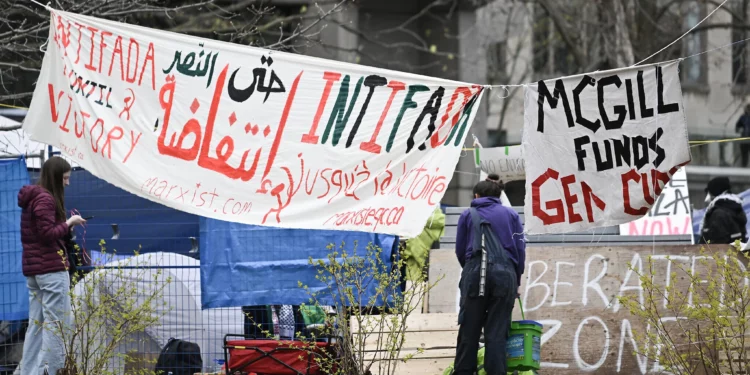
491	187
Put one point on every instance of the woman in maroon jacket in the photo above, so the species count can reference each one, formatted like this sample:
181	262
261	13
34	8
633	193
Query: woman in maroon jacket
45	264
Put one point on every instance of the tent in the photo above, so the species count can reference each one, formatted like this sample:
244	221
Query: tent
179	306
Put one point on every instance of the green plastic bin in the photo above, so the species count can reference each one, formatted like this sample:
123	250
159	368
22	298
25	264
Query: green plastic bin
481	370
523	348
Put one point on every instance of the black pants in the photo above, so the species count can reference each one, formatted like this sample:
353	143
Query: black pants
745	153
491	312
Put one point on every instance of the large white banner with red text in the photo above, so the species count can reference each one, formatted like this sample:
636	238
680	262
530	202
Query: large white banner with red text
249	135
600	147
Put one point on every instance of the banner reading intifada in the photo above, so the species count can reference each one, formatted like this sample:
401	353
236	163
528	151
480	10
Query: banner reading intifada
600	147
249	135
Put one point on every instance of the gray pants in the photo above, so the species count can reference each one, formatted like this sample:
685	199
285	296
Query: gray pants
492	312
49	309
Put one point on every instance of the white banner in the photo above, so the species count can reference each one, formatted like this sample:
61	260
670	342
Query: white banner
249	135
600	147
670	214
507	162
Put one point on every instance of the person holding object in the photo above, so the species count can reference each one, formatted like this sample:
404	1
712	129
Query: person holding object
491	249
725	220
43	229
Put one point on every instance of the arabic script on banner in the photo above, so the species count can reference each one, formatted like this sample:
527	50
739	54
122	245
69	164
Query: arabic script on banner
600	147
249	135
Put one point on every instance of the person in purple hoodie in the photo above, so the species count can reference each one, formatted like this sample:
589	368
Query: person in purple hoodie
43	228
493	310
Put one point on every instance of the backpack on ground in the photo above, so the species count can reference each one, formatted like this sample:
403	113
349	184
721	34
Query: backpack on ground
180	358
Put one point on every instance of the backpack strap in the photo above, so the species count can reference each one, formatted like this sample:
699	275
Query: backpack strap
476	221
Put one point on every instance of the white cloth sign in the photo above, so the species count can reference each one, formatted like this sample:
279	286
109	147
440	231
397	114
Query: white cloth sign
479	150
670	214
249	135
507	162
600	147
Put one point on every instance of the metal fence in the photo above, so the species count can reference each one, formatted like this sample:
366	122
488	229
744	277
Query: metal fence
170	284
168	243
13	295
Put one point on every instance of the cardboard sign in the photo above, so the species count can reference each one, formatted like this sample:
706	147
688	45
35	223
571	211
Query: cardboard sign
670	214
600	147
249	135
507	162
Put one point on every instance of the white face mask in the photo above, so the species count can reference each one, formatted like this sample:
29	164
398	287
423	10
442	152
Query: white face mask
709	198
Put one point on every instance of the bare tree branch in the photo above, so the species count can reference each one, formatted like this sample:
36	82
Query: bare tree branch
362	35
19	66
565	31
307	28
15	96
24	28
161	9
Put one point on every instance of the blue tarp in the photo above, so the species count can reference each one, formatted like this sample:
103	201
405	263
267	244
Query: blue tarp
245	265
144	225
698	214
14	296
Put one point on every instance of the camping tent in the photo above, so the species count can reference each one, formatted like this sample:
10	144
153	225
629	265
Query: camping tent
178	309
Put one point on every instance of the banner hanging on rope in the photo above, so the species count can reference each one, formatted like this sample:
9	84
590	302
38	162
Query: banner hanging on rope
600	147
506	162
249	135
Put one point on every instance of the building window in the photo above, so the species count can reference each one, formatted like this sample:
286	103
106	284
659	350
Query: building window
693	70
497	138
551	55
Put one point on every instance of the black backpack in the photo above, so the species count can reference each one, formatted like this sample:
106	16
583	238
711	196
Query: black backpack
180	358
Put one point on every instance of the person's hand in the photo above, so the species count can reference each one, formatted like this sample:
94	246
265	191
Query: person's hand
518	292
75	220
